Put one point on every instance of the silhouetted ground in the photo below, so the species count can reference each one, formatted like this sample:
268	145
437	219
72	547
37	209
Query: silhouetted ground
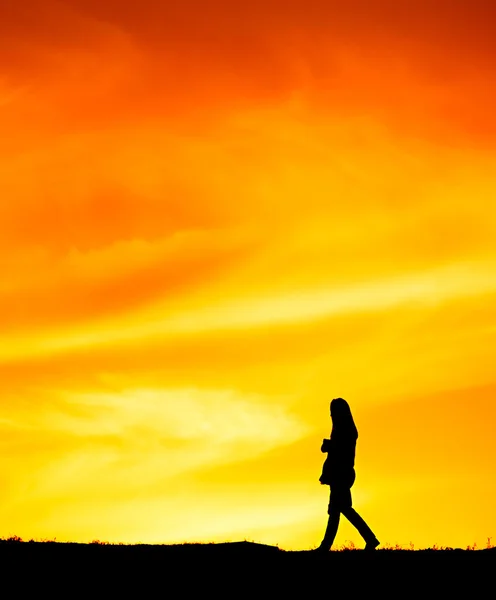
240	569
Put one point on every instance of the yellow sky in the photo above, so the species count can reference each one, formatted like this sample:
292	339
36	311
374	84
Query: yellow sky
213	224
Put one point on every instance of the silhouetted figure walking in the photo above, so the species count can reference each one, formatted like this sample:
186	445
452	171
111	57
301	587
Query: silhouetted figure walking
339	473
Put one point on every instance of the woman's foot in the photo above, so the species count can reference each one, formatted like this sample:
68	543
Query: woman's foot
372	544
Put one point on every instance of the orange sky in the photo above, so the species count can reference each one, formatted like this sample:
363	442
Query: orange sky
215	218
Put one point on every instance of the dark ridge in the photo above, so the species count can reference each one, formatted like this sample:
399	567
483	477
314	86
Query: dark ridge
239	569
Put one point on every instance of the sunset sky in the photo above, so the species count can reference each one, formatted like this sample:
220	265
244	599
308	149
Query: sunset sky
215	217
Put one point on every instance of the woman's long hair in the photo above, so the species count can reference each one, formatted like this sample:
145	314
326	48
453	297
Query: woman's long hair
343	425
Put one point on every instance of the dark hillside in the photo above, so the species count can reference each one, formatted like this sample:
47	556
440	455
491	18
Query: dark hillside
240	568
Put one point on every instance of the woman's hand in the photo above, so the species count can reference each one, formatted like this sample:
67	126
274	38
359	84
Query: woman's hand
325	445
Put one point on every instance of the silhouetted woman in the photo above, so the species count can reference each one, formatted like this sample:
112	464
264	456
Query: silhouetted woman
339	473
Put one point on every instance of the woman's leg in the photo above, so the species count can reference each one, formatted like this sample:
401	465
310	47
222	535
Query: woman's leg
339	499
332	527
363	529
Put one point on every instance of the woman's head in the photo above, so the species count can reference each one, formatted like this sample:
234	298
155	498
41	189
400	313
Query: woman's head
342	419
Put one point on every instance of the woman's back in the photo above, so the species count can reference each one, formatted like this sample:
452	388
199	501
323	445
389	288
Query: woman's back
343	437
342	452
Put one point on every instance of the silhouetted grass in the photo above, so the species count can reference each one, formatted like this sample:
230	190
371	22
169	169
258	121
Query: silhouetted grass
240	568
